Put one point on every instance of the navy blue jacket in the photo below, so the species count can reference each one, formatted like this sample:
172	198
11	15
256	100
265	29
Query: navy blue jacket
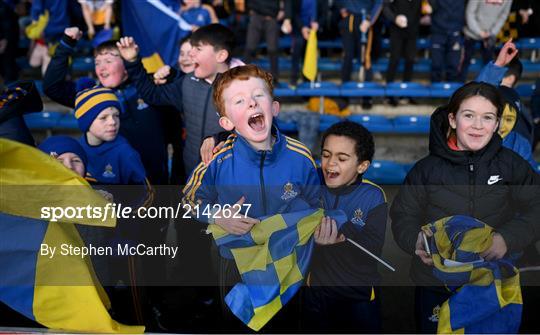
342	270
448	16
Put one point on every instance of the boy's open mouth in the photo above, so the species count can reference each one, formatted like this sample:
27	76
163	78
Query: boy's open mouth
256	122
331	174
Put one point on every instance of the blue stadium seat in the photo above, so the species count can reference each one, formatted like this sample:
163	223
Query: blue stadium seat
327	64
407	89
283	90
43	120
386	172
525	90
286	127
327	120
284	42
411	124
528	43
423	43
326	89
83	64
330	44
443	90
68	121
367	89
374	123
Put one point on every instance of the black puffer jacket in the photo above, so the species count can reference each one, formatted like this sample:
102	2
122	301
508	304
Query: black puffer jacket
492	185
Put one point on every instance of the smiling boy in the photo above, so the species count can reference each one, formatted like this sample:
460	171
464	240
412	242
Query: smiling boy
192	94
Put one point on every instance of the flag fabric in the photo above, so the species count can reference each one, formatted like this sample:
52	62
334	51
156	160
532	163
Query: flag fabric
272	260
156	29
60	292
486	294
310	59
35	29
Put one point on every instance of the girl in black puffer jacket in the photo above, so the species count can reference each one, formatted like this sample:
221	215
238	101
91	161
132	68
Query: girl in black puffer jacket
467	172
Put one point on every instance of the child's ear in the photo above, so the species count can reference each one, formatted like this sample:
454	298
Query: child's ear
362	167
225	123
452	121
222	56
275	108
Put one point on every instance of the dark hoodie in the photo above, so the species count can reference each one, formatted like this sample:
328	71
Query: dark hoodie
492	185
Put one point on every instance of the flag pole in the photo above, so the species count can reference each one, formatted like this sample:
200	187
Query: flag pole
371	254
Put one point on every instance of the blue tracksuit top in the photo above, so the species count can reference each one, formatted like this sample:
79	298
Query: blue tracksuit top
281	180
198	16
114	162
342	270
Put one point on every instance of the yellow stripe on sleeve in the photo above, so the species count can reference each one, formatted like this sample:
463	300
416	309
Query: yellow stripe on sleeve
367	181
303	153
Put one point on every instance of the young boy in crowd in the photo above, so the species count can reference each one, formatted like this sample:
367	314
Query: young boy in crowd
211	54
67	151
258	165
341	294
142	124
111	160
516	126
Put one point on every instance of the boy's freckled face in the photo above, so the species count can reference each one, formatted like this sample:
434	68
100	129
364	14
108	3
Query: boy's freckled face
106	125
339	161
205	61
250	108
110	69
72	162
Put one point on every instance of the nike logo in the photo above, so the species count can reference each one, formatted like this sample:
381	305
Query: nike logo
493	179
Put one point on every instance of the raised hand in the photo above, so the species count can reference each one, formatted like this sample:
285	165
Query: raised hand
128	48
507	53
160	77
73	32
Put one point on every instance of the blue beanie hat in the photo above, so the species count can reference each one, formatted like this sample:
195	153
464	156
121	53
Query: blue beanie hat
89	103
61	144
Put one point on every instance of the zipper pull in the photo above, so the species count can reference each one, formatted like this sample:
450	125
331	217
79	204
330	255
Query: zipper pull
471	167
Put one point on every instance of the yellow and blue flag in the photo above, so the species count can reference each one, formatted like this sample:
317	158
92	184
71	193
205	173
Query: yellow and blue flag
273	260
156	28
60	292
486	294
310	58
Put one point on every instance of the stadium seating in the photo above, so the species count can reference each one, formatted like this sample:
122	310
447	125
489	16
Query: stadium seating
411	124
367	89
415	90
386	172
374	123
